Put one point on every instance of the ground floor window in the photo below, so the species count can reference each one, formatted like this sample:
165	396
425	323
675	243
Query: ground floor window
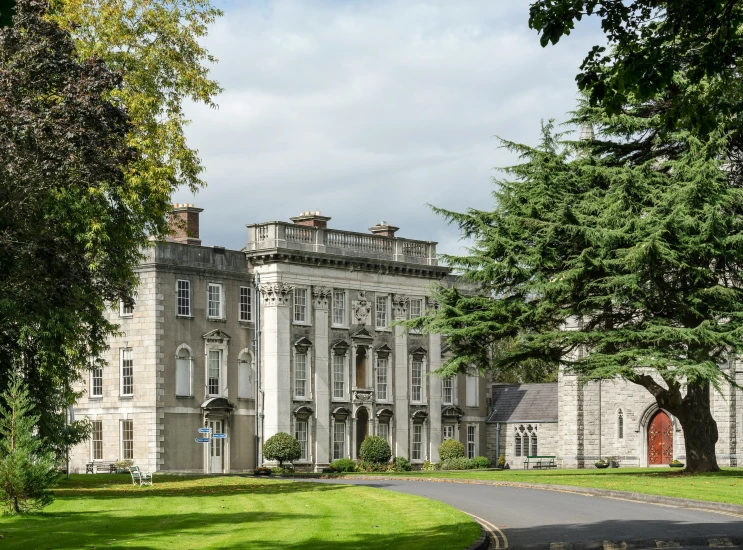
525	442
339	440
417	442
384	431
97	440
448	432
471	446
127	439
301	435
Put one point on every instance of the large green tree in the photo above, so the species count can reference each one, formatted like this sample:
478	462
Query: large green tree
612	263
684	55
68	238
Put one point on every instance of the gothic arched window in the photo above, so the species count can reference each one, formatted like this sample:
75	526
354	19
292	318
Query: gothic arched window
620	424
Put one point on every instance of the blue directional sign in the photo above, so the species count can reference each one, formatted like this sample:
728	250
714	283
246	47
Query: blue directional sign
205	430
202	440
219	436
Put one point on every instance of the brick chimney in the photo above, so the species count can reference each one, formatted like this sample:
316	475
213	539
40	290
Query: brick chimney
184	224
311	219
383	229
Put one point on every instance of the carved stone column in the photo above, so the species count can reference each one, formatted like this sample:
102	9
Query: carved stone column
321	298
401	390
275	360
434	395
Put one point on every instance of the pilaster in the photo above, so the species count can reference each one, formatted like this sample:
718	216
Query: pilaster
434	395
321	298
402	399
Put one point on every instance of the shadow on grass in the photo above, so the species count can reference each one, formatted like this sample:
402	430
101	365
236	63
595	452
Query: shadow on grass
67	530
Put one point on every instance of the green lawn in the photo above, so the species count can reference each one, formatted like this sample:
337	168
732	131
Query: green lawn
106	511
725	486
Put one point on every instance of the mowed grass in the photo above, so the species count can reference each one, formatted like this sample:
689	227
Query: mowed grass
724	486
106	511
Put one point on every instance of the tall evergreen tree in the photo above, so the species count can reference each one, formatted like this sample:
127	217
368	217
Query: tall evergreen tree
611	249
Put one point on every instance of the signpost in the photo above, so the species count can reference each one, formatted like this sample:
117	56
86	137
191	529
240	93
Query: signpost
209	436
219	436
205	430
202	440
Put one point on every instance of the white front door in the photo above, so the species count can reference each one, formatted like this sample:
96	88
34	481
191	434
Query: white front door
216	448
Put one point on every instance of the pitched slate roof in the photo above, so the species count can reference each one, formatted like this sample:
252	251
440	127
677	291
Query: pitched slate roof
524	403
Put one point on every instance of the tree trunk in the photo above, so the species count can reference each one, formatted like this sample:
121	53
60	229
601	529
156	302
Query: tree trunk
700	429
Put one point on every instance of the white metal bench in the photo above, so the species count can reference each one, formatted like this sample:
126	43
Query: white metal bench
138	476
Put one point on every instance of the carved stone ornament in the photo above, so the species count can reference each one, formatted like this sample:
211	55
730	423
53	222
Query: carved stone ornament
361	308
432	304
321	295
362	395
400	304
276	294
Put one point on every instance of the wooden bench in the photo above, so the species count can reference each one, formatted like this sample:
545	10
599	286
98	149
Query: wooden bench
138	476
540	461
98	466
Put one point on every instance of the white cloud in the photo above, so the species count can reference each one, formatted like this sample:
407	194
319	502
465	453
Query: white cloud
369	110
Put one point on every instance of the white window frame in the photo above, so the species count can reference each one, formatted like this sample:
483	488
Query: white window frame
450	383
123	375
122	447
123	310
343	310
386	369
471	447
245	304
476	395
99	371
305	456
419	386
421	312
377	311
419	450
306	358
220	369
384	426
209	302
93	441
343	440
183	302
444	432
342	360
178	357
298	307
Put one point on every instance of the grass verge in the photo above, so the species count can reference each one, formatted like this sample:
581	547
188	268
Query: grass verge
106	511
724	486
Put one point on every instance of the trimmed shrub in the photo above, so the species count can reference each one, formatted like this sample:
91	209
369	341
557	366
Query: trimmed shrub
375	450
502	461
450	449
278	470
460	463
343	465
365	466
281	447
430	466
481	462
402	464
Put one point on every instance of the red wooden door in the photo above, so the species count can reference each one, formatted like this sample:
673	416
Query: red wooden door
660	439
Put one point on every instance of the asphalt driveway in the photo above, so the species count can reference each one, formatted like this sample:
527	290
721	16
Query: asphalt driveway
528	517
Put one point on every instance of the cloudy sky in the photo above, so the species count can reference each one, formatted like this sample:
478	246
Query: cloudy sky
369	110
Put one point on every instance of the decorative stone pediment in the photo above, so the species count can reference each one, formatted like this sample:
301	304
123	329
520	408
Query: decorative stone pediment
340	347
276	294
432	303
218	404
451	412
341	413
361	308
362	335
216	336
384	351
419	352
362	396
321	296
302	345
418	414
303	412
385	413
400	304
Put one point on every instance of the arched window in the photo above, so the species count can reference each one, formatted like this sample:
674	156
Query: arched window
245	375
183	372
517	442
620	424
534	444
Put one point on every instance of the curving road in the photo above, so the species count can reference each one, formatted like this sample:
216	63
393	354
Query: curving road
530	517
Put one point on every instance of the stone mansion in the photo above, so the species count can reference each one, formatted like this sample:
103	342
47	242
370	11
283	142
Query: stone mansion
294	334
291	334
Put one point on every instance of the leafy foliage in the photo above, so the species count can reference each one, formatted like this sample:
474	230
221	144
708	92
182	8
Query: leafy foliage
343	465
451	448
459	463
481	462
376	450
282	447
154	44
68	238
27	470
402	464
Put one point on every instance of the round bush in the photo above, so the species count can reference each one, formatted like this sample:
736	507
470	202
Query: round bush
450	449
402	464
281	447
343	465
459	463
481	462
376	450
